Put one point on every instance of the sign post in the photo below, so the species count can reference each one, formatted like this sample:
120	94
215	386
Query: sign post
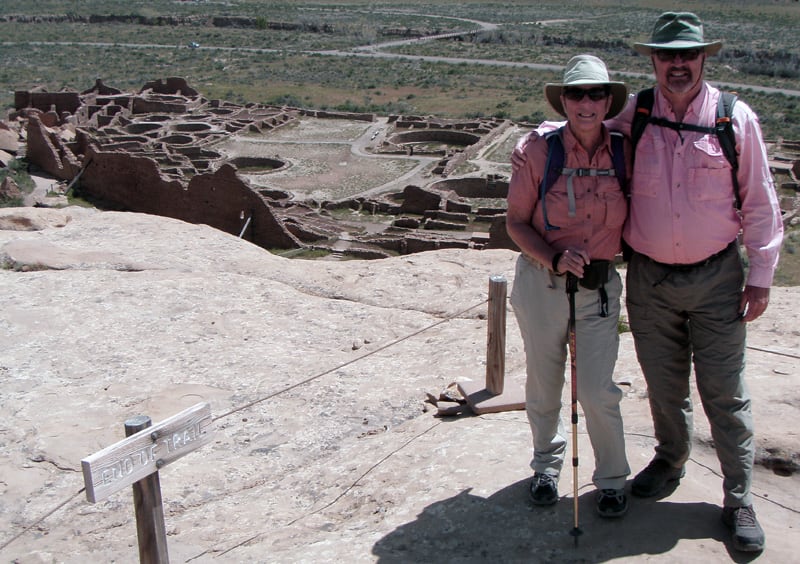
136	460
150	528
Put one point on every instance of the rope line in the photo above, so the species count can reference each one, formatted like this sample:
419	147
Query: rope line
348	363
270	396
341	495
42	518
771	351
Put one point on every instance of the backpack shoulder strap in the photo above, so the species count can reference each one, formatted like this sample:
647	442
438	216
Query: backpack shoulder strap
618	158
641	117
724	126
552	169
555	160
727	137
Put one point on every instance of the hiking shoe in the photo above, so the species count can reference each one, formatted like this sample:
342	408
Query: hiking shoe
612	503
748	536
653	479
544	489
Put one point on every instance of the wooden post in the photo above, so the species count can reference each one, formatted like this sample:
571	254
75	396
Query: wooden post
493	397
496	338
149	509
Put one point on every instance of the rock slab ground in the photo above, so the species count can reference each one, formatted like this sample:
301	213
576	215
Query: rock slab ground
317	373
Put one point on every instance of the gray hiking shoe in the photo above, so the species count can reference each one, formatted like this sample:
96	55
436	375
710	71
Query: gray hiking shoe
748	536
544	489
612	503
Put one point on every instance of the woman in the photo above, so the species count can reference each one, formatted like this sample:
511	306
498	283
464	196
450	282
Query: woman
574	228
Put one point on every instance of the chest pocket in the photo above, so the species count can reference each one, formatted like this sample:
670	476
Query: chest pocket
650	168
709	174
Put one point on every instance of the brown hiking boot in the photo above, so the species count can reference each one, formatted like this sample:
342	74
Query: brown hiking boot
655	478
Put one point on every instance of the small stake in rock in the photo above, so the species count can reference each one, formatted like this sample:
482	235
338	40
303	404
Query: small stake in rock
576	531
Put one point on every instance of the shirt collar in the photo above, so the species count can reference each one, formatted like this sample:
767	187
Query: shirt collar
662	106
571	142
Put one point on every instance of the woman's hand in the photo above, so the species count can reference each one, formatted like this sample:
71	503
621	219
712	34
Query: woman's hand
571	260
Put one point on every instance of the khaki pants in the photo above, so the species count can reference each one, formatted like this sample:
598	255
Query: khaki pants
541	306
684	316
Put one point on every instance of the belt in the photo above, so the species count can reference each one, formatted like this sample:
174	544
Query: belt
692	266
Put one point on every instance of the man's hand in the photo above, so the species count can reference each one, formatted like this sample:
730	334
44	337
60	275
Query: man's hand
518	156
754	302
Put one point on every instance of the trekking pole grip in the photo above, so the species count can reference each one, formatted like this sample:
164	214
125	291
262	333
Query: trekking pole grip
572	283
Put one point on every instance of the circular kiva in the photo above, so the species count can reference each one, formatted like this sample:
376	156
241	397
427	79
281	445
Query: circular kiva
449	137
252	164
142	127
176	139
192	126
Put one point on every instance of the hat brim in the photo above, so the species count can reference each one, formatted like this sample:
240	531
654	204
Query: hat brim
710	49
619	95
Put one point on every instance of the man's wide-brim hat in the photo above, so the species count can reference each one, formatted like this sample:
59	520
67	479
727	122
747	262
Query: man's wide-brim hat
587	70
678	30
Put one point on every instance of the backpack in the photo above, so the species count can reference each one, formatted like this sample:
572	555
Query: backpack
554	167
723	129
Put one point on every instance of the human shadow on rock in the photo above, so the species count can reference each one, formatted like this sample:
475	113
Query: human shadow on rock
507	527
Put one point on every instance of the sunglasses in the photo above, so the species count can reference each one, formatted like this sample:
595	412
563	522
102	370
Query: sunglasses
667	55
594	94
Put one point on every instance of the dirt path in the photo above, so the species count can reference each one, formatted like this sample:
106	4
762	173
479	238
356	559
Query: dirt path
46	192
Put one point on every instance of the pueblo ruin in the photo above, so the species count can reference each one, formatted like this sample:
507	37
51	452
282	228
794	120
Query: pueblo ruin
167	150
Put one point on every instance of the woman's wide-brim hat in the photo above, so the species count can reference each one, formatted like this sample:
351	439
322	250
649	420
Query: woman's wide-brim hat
678	30
587	70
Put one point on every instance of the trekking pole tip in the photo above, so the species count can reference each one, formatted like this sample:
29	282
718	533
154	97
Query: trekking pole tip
576	532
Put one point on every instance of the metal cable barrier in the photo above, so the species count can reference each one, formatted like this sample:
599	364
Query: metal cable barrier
315	377
267	397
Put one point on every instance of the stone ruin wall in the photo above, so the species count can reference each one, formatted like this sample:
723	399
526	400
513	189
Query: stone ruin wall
154	169
219	199
60	102
152	152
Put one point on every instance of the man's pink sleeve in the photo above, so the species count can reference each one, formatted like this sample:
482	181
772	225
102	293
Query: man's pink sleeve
518	154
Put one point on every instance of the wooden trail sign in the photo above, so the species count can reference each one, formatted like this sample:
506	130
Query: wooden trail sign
146	452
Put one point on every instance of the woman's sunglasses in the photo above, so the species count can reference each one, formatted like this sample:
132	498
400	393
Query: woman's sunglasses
594	94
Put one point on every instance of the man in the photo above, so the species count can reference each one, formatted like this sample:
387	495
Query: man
685	277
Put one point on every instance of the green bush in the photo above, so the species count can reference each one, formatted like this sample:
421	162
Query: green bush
17	170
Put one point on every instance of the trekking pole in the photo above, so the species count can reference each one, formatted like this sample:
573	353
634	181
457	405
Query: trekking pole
572	287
